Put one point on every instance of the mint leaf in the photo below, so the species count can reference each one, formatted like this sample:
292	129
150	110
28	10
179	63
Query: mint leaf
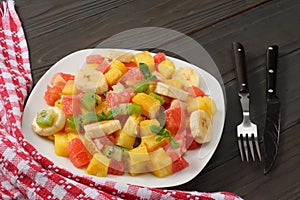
113	112
163	133
152	78
102	116
146	72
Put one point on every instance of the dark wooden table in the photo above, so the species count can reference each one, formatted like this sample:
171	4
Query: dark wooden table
55	28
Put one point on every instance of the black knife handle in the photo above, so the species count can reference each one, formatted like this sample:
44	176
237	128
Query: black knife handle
240	66
272	57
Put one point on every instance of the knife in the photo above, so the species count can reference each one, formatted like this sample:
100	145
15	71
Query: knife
272	125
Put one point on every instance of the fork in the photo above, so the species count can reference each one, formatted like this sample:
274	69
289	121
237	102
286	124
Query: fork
246	131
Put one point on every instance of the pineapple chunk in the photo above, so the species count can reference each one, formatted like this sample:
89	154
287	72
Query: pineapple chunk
202	103
118	65
98	165
161	163
71	136
145	127
138	155
174	82
130	127
150	104
139	168
166	68
152	86
113	75
101	107
61	142
144	57
124	140
69	88
152	144
138	160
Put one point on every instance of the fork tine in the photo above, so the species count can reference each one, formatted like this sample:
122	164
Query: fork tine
240	148
257	148
251	147
246	148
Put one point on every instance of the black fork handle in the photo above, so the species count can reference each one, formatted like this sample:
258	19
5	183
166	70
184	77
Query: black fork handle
240	67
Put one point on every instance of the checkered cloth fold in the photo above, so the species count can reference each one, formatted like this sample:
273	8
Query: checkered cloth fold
26	174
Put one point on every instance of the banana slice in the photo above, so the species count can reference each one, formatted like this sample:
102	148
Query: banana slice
188	76
87	79
103	128
118	55
59	119
200	125
170	91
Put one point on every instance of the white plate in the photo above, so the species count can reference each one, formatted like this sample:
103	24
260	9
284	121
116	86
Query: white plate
197	158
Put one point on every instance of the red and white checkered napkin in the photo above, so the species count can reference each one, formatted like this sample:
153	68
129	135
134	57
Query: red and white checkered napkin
26	174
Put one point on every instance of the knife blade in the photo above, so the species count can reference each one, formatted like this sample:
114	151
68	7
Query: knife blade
273	116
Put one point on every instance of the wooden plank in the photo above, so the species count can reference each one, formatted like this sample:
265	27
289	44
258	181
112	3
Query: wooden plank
256	29
42	17
49	24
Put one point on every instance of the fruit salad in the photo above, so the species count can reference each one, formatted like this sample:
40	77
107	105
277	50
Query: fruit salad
127	113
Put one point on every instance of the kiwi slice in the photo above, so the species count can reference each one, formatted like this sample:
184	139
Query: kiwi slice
89	100
45	118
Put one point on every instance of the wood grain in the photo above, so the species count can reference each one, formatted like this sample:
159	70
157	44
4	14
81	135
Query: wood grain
89	22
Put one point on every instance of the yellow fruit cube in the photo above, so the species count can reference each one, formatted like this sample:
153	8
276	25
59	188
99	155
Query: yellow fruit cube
139	168
152	144
113	75
152	86
150	104
174	82
166	68
202	103
131	125
69	88
118	65
144	57
61	142
138	161
138	155
101	107
98	165
145	127
124	140
72	135
161	163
